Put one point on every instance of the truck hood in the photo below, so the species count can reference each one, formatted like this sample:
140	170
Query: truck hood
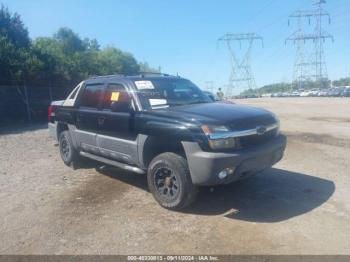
234	116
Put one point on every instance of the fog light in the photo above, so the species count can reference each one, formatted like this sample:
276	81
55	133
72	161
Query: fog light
222	174
227	171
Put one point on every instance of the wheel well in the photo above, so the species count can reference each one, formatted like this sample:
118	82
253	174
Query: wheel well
155	146
60	128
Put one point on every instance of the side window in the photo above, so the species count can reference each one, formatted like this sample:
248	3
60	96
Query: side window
116	98
91	95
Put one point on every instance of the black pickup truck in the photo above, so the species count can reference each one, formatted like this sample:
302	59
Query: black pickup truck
166	127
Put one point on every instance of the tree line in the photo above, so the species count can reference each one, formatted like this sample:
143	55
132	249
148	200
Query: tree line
64	58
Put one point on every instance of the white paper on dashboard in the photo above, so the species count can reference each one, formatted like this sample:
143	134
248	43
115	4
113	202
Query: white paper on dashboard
157	102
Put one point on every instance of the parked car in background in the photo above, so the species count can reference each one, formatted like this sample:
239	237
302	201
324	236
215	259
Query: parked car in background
334	92
276	95
314	92
346	92
305	93
323	92
295	94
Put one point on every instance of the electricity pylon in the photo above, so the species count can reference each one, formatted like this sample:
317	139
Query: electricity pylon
313	67
241	76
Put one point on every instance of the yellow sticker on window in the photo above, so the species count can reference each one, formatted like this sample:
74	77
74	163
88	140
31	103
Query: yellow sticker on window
115	96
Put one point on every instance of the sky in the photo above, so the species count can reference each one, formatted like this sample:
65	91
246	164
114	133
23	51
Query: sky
181	36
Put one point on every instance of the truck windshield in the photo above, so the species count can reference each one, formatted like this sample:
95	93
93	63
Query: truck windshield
157	93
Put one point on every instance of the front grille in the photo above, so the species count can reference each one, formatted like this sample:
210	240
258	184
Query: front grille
254	140
252	122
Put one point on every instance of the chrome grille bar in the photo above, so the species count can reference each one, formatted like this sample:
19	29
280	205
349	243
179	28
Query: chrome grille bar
248	132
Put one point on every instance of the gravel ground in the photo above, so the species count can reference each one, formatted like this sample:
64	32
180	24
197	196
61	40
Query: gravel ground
301	206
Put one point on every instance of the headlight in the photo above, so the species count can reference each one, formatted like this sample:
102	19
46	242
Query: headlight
221	143
225	143
214	129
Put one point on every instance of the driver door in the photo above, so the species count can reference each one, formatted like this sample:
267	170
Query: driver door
116	137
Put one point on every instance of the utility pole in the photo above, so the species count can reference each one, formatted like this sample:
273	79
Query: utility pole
313	68
241	76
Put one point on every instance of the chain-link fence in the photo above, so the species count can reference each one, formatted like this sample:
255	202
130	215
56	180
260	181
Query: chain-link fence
21	102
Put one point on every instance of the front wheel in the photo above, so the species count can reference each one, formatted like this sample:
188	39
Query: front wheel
170	182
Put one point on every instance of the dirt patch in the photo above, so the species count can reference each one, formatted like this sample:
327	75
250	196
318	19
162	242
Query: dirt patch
105	186
99	189
331	119
324	139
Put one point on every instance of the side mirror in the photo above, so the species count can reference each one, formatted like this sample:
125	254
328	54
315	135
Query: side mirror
212	98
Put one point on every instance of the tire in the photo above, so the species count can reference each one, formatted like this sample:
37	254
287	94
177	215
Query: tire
69	154
170	182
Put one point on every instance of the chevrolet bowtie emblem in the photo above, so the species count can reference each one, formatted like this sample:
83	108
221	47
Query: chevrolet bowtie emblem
260	130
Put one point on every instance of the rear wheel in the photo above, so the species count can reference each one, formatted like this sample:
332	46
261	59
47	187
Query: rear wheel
170	182
68	153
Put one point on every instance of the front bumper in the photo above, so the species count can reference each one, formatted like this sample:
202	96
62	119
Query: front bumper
205	166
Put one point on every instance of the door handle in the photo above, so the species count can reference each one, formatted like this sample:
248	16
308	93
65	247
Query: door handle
101	120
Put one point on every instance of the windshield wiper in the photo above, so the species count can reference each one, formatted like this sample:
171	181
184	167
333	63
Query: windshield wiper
199	102
187	103
175	104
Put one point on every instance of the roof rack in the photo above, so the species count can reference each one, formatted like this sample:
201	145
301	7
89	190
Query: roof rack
140	74
115	75
152	73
